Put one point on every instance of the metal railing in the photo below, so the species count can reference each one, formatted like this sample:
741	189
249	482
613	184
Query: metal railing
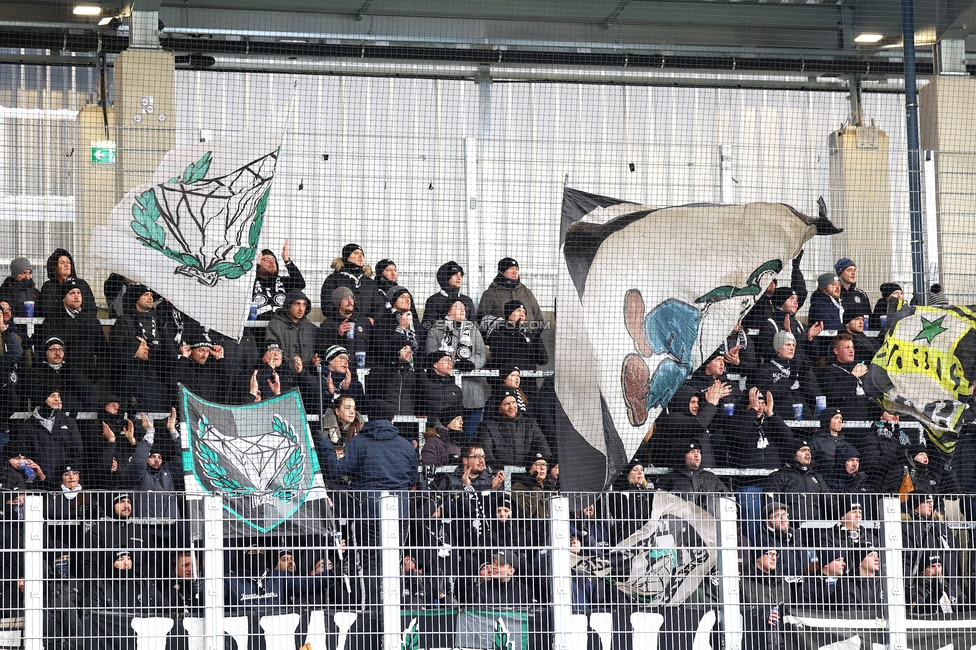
393	570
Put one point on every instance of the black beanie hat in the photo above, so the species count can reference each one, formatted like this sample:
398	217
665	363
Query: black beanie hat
435	356
447	271
506	263
781	295
511	306
348	250
888	288
268	251
381	265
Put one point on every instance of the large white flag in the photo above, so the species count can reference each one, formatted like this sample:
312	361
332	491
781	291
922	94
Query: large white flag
192	232
645	295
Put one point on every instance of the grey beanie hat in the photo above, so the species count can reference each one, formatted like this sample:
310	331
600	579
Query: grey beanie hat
782	337
826	279
20	264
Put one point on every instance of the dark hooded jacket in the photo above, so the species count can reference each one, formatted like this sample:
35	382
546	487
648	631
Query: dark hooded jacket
50	301
376	459
678	426
294	339
48	448
846	392
801	488
20	292
758	442
437	305
510	441
85	347
368	301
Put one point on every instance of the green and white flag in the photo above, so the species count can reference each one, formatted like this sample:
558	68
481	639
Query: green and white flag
260	459
192	232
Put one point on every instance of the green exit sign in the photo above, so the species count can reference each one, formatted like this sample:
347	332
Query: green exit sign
103	152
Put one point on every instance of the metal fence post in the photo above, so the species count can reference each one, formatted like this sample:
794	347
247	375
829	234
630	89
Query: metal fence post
562	581
390	567
34	572
728	571
894	570
213	551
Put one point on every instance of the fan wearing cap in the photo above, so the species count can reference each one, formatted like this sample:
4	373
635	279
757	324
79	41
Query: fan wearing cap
202	369
890	291
449	276
117	531
846	271
60	269
831	589
459	338
393	375
759	435
11	353
506	590
864	347
825	305
136	341
351	271
690	416
529	488
798	485
508	436
925	533
777	532
338	378
86	350
763	308
151	473
344	325
828	438
440	392
508	286
270	287
868	588
763	592
442	436
514	343
19	286
44	442
933	592
70	503
786	303
790	381
691	481
923	468
849	532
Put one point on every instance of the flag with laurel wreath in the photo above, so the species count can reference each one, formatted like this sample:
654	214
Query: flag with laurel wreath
261	460
192	232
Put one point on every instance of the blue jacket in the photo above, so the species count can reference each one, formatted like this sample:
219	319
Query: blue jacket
376	459
822	308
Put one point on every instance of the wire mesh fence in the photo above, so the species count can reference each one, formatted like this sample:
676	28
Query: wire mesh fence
484	569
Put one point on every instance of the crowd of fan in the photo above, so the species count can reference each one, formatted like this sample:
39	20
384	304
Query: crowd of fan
69	365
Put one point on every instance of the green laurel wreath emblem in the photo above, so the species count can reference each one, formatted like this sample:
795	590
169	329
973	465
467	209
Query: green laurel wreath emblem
212	469
294	466
146	214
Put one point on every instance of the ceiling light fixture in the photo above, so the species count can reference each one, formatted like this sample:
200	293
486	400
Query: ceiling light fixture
868	38
87	10
104	21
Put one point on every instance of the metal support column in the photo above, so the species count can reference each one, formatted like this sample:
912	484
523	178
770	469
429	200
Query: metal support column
562	582
914	164
728	571
213	581
895	587
34	572
390	567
